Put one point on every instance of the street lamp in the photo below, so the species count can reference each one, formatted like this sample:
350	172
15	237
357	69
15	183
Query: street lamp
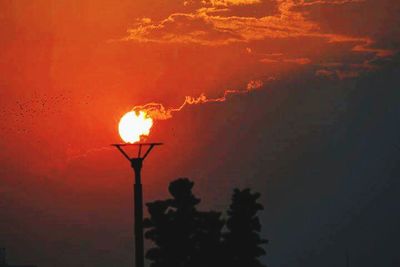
136	164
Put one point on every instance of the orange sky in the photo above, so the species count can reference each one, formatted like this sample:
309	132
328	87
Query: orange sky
79	65
70	69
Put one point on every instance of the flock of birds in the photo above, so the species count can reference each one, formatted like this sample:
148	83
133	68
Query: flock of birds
28	115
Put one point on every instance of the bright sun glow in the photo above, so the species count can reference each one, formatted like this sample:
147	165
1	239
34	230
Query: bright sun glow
133	126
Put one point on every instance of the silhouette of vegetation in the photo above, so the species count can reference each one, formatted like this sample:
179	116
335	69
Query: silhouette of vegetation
242	242
183	236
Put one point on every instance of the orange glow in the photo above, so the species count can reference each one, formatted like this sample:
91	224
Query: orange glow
134	125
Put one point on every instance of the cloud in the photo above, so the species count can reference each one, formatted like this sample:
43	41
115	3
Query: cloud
158	111
215	23
300	61
339	74
232	2
183	28
373	19
210	26
222	3
329	2
341	71
254	84
277	58
325	73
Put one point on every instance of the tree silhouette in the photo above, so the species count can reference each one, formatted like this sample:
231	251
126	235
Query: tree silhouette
242	242
208	240
183	236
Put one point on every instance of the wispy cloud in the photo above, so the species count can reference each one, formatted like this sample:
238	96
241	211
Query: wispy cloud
280	59
209	26
231	2
221	3
325	2
211	23
158	111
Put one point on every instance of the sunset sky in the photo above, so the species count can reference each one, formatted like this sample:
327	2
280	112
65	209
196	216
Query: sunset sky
315	127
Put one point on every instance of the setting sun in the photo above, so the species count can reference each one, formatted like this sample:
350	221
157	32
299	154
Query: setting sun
133	126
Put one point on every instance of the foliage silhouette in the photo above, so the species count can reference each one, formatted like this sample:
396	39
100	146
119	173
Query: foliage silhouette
186	237
183	236
242	242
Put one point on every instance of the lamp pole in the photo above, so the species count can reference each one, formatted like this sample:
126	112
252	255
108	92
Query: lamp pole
136	164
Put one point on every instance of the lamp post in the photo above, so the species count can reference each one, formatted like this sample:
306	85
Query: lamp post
136	164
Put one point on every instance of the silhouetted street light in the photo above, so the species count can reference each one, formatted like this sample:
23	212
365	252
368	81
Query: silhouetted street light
136	164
